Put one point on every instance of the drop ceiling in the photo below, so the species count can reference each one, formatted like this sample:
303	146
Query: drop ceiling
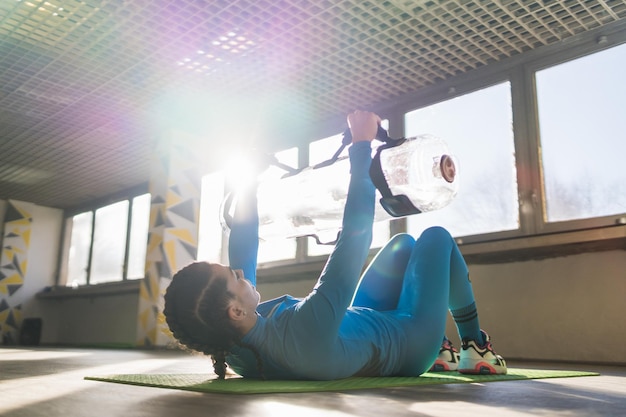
87	88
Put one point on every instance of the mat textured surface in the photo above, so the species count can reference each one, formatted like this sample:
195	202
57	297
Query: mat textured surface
236	385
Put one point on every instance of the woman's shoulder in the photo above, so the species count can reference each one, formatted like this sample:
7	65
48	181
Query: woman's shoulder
276	305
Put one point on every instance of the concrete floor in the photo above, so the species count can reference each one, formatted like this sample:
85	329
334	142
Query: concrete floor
49	382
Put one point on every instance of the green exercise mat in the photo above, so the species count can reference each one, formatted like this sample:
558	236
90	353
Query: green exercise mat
237	385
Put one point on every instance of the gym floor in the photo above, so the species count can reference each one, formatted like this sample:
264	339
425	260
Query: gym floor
50	382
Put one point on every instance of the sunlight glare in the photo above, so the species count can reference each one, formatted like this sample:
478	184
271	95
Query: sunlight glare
31	390
459	409
241	169
281	409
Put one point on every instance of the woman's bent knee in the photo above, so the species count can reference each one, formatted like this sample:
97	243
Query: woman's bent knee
435	233
402	239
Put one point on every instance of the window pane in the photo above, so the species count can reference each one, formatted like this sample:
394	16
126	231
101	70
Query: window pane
210	229
581	116
322	150
138	237
478	128
109	243
279	249
80	241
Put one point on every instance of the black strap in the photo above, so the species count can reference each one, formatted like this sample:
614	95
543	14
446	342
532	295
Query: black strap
381	135
376	170
319	242
272	160
396	205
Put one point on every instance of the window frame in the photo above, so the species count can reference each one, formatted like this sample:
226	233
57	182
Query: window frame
62	270
520	72
598	44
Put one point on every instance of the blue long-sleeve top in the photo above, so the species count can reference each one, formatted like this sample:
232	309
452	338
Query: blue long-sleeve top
320	336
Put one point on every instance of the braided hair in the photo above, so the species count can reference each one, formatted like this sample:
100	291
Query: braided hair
196	313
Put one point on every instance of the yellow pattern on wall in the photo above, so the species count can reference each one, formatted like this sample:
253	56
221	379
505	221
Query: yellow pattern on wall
13	266
173	232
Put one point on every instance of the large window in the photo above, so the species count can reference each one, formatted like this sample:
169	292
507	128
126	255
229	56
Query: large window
210	240
105	246
109	243
581	105
210	228
478	129
80	247
138	242
278	249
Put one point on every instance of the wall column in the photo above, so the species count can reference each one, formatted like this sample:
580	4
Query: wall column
13	264
173	232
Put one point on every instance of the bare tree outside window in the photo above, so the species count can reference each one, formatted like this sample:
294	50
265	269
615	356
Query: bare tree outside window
581	118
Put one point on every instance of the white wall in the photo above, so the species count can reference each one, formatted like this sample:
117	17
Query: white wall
42	256
104	320
45	230
570	308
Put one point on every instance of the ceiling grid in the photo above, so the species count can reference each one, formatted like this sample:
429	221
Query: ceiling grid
87	86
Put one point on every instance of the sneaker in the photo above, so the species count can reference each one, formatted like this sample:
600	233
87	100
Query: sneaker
480	359
448	359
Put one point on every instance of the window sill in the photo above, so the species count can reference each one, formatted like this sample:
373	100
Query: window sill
109	288
293	272
545	246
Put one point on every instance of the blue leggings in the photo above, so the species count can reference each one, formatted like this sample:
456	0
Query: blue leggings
418	281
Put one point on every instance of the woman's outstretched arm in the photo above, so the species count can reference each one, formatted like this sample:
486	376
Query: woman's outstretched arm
243	242
326	304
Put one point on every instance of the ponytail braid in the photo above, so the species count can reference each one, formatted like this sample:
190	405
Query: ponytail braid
219	363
